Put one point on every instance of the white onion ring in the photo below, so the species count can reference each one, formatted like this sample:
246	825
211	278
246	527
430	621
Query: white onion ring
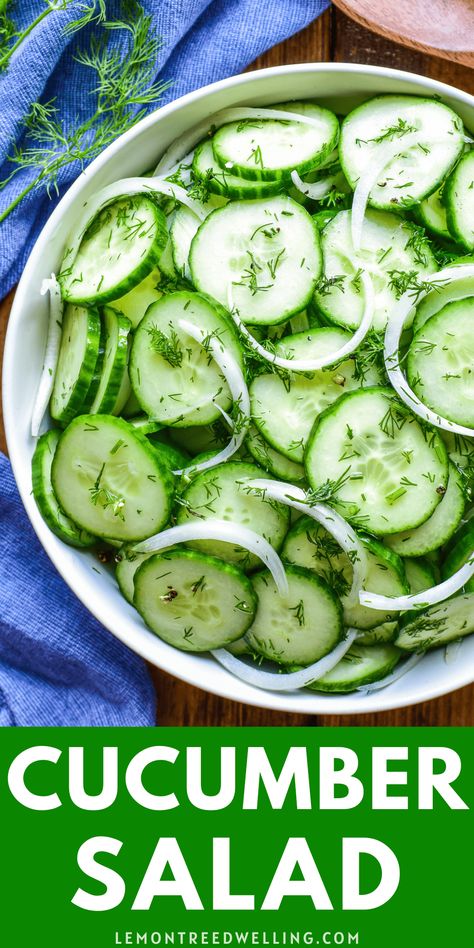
339	529
120	189
386	153
274	681
398	672
238	389
313	365
396	324
224	530
429	597
174	154
314	189
50	361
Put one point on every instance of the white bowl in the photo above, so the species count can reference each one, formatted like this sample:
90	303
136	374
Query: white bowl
339	86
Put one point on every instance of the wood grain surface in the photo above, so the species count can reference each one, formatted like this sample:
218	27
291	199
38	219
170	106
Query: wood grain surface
332	37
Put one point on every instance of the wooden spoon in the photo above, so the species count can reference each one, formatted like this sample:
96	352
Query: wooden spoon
439	27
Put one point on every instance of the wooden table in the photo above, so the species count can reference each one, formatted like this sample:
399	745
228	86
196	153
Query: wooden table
331	38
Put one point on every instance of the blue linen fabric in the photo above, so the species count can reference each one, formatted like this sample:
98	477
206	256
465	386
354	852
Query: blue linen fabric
58	666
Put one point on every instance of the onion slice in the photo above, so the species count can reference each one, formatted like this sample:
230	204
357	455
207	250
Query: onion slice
313	365
117	190
395	327
385	153
226	531
179	148
53	342
398	672
429	597
274	681
314	189
339	529
238	389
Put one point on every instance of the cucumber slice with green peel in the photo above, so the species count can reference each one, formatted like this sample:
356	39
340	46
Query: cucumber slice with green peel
273	461
431	138
114	366
440	362
309	545
126	566
299	628
193	601
438	625
284	407
78	356
131	408
432	214
119	249
387	471
220	181
440	527
45	498
266	149
361	665
136	302
169	455
459	199
108	479
142	423
221	492
459	553
184	227
420	575
266	253
390	246
175	379
198	439
167	268
386	632
436	299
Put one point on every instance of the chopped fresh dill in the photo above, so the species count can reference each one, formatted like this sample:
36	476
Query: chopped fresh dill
168	347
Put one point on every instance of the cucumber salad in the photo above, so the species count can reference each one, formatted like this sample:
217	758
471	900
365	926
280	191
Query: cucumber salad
259	375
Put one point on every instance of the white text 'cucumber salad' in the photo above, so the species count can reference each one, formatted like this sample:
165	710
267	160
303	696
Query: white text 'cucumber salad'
260	378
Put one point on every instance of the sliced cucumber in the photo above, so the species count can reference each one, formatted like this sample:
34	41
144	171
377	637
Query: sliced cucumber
420	575
114	367
459	553
273	461
200	438
192	601
459	197
438	625
175	379
127	564
284	408
437	298
143	424
136	302
361	665
389	246
265	252
388	472
120	248
439	528
220	181
386	632
273	148
109	480
222	492
310	546
169	455
299	628
184	227
421	164
432	214
440	362
43	492
78	355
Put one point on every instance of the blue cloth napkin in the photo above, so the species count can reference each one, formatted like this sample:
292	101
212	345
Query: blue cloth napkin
57	665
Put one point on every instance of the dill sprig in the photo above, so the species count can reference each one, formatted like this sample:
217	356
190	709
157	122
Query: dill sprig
398	129
103	497
124	89
327	491
168	347
402	281
418	242
11	38
369	355
325	284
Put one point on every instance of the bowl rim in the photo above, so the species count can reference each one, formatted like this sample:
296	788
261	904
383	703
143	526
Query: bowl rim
272	701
